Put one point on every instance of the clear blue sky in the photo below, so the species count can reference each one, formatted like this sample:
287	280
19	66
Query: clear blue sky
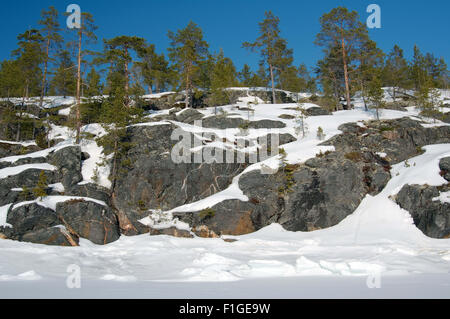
228	23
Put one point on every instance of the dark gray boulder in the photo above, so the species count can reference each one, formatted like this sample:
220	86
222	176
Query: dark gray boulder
31	217
90	190
400	139
53	236
172	231
189	116
28	178
299	197
23	161
222	122
317	111
430	216
154	180
89	220
68	162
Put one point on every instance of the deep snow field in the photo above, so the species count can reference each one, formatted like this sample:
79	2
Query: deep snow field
378	243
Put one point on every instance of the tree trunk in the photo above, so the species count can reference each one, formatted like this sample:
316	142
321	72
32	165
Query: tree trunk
127	75
187	99
347	85
44	80
78	111
273	84
363	94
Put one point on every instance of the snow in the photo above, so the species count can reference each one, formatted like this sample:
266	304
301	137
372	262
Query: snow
4	215
11	171
24	144
43	153
65	112
378	239
157	95
444	197
51	201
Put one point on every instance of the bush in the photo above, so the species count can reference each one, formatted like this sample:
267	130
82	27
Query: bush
207	213
354	156
41	188
320	134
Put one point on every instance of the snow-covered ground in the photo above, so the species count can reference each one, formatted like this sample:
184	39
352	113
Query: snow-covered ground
377	246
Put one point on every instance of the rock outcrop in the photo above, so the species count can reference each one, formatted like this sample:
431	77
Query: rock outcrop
430	215
324	190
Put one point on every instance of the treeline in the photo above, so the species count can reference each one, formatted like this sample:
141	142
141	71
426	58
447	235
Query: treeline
51	61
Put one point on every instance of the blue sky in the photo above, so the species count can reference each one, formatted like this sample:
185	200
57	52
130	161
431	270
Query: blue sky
228	23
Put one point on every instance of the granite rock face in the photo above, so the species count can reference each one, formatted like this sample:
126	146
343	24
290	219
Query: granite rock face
430	215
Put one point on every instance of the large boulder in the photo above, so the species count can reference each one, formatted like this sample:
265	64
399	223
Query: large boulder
400	139
53	236
222	122
12	149
430	215
189	116
68	162
317	111
89	220
31	217
28	178
89	190
299	197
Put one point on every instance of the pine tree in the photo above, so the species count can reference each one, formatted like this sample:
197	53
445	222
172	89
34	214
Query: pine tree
29	57
418	71
245	76
223	75
118	51
187	51
94	86
40	190
341	30
375	92
9	80
52	39
117	114
85	35
331	77
370	61
272	48
64	80
395	72
154	68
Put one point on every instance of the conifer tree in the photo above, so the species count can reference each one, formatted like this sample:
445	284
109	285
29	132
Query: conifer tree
245	76
117	114
40	190
341	30
94	86
118	52
395	72
85	35
187	51
64	80
272	48
9	80
370	60
52	39
223	75
29	57
375	91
